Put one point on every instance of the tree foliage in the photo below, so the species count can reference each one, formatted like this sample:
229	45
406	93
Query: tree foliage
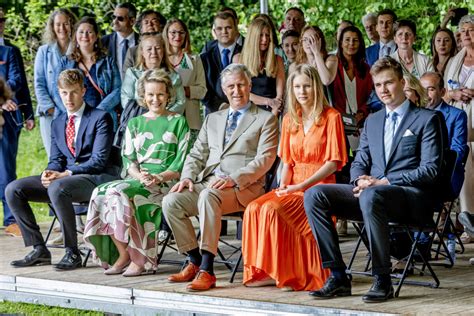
26	24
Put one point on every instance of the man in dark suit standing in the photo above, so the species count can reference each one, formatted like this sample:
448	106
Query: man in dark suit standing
394	177
386	45
81	143
218	57
123	36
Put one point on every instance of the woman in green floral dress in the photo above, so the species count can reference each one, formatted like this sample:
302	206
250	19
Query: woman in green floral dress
125	215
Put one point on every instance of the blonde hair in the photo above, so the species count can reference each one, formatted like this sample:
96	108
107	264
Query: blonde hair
70	77
158	76
251	54
415	85
319	101
186	47
49	36
165	64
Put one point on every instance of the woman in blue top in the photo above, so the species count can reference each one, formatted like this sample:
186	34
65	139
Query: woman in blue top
101	71
57	39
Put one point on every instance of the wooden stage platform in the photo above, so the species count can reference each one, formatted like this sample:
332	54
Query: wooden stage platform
90	289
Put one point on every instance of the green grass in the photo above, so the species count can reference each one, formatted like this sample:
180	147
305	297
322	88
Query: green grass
31	160
30	309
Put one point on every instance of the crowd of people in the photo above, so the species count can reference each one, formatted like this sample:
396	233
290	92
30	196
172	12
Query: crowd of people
357	133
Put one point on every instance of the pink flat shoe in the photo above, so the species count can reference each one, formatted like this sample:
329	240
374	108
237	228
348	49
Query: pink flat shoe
116	270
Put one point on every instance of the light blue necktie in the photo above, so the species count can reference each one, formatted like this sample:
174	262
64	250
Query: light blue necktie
389	133
231	126
225	57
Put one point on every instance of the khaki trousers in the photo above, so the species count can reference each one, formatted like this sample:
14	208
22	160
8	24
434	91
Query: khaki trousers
209	205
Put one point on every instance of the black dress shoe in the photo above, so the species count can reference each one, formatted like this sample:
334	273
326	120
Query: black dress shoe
37	257
380	291
70	261
333	287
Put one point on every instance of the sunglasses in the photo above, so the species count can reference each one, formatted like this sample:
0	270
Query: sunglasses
2	20
119	18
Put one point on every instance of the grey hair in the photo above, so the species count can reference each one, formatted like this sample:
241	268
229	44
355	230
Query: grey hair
233	69
369	16
468	18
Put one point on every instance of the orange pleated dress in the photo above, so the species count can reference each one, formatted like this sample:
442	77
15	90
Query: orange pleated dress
277	239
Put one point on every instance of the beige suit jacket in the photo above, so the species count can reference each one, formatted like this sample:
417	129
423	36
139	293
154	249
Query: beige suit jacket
246	158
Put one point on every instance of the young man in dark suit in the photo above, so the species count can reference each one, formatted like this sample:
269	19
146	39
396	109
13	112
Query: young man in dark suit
218	57
80	148
394	177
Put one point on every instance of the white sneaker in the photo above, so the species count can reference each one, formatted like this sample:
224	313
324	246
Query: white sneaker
471	261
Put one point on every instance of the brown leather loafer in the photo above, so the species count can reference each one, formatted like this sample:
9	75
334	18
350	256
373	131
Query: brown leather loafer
203	282
186	275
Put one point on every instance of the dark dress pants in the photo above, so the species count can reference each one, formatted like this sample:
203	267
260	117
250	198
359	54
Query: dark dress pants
61	194
8	152
376	206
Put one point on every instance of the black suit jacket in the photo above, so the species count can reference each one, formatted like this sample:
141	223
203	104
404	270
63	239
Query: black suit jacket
93	145
109	41
211	61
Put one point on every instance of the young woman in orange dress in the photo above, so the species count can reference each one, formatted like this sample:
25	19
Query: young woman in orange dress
278	246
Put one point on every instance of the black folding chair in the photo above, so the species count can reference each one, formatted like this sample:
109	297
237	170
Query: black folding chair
83	249
414	232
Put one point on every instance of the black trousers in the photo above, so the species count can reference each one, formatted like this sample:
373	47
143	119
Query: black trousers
61	194
376	206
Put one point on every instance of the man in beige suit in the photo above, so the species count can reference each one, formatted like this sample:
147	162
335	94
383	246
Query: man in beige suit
224	171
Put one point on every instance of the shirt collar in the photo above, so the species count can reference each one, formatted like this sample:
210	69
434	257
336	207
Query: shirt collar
241	111
400	110
131	38
79	112
230	48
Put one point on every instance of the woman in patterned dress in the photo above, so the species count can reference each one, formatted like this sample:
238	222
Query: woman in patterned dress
125	215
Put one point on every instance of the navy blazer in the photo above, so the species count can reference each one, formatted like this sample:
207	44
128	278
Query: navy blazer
211	61
456	124
109	41
416	155
93	145
10	72
372	53
23	95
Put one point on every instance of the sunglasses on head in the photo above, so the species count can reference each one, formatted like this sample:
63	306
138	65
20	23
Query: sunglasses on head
2	20
119	18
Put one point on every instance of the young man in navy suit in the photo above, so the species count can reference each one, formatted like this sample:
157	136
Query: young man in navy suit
80	148
394	177
385	29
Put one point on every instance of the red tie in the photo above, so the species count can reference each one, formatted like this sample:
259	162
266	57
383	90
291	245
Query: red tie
70	133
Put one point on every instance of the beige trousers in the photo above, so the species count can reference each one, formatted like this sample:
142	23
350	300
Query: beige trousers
209	205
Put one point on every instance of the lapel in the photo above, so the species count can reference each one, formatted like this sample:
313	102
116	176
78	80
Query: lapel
216	58
248	118
408	119
444	108
113	45
82	129
61	133
220	127
379	132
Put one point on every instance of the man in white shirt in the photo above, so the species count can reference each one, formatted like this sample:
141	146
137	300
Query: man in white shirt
79	161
